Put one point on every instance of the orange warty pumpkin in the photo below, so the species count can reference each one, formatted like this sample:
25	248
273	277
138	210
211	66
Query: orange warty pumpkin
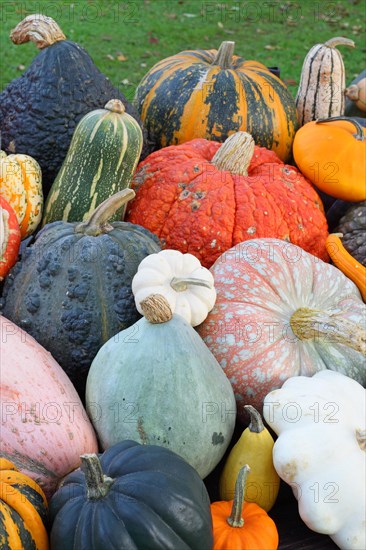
240	525
203	198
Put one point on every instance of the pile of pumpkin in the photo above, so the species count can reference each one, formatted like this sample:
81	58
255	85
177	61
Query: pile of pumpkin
178	282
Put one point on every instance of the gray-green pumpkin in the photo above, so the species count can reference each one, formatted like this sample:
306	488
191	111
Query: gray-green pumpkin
157	383
72	290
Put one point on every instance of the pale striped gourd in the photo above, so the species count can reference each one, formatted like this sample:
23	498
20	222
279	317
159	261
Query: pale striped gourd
101	161
322	83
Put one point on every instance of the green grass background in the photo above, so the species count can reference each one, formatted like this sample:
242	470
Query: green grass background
125	39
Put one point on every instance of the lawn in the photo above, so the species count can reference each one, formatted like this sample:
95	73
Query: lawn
125	39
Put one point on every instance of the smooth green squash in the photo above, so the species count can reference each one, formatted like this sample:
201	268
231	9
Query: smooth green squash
157	383
101	161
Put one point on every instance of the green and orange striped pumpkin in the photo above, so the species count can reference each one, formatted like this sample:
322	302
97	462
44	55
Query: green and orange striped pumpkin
23	510
212	94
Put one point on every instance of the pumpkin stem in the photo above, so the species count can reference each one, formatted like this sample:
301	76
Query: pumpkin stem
156	309
98	221
180	284
339	41
38	28
311	324
361	439
224	55
236	517
97	484
115	105
359	135
235	154
256	422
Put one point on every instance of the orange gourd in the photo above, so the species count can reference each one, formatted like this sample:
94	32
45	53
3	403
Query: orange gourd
333	156
21	187
346	262
240	525
23	510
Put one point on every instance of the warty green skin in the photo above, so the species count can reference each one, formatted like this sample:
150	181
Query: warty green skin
101	160
159	384
72	292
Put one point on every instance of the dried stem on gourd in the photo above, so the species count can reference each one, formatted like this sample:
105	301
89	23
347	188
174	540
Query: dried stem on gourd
235	154
311	324
97	484
339	41
115	105
224	55
236	517
256	422
37	28
180	284
156	309
98	221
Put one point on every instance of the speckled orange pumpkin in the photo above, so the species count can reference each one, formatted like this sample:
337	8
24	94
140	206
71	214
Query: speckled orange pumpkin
203	198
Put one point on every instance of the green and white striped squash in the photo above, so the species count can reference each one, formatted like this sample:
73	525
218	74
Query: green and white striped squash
322	83
101	161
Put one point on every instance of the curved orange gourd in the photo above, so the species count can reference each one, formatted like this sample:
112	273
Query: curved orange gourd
346	263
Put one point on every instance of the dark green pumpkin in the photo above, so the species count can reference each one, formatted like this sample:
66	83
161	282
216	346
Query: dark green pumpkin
135	497
353	228
212	94
71	290
40	110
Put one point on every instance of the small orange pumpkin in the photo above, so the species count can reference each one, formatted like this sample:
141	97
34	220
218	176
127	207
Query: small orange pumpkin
239	525
342	259
23	510
333	156
21	186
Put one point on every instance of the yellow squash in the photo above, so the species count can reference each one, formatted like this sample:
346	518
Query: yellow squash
21	187
254	448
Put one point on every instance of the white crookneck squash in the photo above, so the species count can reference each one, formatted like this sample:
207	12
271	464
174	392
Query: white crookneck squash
320	452
181	279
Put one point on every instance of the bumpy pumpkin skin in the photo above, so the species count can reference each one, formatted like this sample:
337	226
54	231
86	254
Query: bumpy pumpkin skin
190	95
194	207
353	228
157	501
260	284
72	292
40	110
44	427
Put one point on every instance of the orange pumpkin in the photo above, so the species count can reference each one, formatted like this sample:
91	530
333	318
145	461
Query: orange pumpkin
240	525
9	238
212	94
203	197
333	156
23	510
21	186
342	259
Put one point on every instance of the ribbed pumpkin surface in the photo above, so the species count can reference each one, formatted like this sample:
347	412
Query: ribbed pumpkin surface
188	96
194	207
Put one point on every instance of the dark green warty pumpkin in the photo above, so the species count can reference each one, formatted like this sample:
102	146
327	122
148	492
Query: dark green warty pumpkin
133	497
71	290
40	110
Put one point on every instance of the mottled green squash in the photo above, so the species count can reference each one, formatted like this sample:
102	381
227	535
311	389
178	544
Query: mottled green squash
101	161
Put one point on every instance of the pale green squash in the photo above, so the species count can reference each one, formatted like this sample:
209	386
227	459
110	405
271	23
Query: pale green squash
157	383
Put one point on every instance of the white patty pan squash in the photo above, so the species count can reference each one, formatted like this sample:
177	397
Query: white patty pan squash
157	383
320	452
181	279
